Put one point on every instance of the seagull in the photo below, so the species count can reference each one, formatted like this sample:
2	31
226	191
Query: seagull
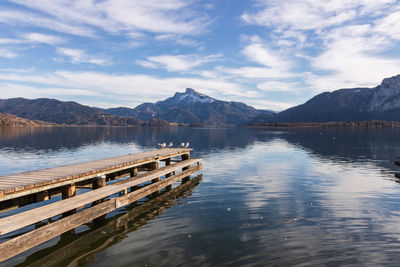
186	145
163	145
182	145
170	144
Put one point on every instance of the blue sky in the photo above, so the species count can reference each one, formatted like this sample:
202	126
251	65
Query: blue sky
270	54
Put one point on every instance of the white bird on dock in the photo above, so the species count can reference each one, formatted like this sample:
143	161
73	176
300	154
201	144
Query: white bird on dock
186	145
182	145
170	144
162	145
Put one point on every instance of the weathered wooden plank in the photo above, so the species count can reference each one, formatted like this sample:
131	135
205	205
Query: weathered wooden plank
25	180
20	183
22	179
9	190
20	220
33	238
10	182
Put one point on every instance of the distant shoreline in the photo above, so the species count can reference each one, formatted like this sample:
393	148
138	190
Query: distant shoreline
346	124
11	120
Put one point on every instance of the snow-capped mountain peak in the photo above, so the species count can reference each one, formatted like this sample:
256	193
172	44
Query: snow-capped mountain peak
192	96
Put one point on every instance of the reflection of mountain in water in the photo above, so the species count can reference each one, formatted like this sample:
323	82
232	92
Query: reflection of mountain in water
354	145
55	138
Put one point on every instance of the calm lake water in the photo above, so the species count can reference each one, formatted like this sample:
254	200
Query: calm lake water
266	197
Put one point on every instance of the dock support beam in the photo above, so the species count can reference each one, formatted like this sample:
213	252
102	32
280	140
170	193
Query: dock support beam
167	163
97	183
42	196
154	166
133	172
185	157
67	192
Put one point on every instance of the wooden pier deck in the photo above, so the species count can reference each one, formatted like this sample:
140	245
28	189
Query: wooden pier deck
142	175
17	185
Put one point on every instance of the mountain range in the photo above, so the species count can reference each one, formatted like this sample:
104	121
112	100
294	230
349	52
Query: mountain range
193	108
189	108
379	103
60	112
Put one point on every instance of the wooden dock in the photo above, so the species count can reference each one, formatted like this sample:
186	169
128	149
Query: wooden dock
116	182
74	245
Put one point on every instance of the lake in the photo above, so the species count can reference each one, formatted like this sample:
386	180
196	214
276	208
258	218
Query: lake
266	197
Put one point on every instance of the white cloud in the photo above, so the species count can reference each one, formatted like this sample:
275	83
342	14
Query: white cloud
353	57
7	53
255	72
122	90
178	39
22	18
389	25
275	65
173	63
80	56
275	86
351	69
133	88
310	14
10	90
87	17
10	41
166	36
33	37
349	41
42	38
261	54
271	104
298	15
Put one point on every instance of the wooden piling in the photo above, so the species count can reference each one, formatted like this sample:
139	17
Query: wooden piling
67	192
167	163
154	166
185	157
42	196
97	183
